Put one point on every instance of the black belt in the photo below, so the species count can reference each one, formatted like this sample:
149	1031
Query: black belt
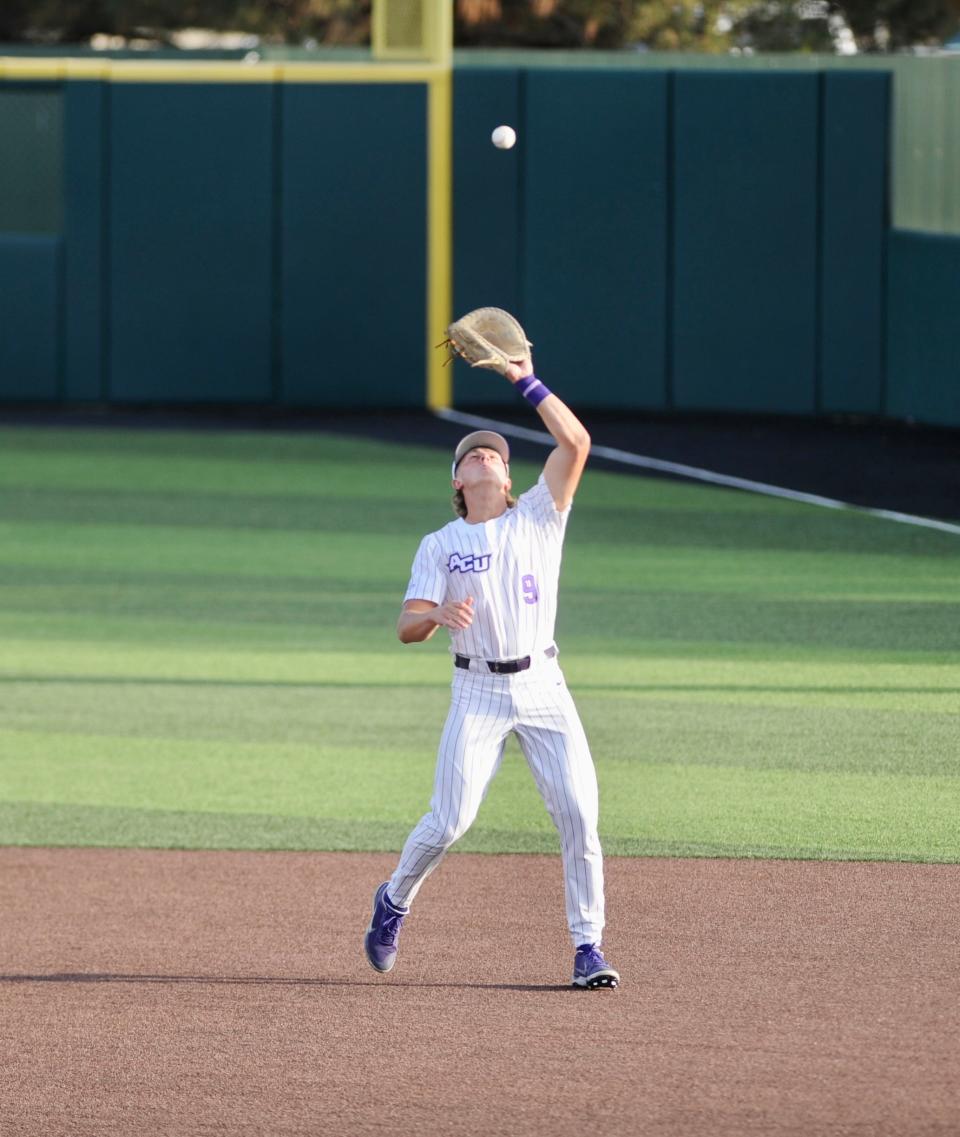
502	666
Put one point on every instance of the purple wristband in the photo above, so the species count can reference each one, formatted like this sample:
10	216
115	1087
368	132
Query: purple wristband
532	390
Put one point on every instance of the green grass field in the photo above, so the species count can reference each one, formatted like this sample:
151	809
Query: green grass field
199	651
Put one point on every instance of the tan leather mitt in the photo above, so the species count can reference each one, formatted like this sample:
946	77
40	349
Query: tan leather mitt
489	337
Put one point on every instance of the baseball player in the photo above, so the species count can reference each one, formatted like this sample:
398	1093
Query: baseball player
490	578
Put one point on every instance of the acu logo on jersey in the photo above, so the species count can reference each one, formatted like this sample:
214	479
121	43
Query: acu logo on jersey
468	562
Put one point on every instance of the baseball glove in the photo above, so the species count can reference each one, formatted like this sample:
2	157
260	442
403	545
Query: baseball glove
489	337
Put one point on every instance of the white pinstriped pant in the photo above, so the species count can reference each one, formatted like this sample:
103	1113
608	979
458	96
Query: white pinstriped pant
538	708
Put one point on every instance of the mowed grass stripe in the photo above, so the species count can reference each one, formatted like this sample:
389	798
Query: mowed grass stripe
649	806
746	675
199	652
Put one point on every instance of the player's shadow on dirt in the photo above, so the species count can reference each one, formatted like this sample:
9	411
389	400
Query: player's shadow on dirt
267	981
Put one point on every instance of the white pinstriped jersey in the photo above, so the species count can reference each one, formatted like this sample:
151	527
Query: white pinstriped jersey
511	568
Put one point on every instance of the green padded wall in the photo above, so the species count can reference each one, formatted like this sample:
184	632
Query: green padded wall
595	225
853	231
487	187
191	250
31	158
85	146
698	240
923	344
30	275
745	242
353	244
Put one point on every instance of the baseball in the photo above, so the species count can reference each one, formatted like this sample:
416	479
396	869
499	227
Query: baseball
503	137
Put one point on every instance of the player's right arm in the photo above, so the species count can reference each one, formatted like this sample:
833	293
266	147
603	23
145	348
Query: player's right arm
421	618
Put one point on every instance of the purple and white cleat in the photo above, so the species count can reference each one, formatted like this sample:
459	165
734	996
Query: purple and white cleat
591	970
380	942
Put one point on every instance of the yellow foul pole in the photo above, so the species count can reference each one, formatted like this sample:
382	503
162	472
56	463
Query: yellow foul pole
423	30
438	16
439	237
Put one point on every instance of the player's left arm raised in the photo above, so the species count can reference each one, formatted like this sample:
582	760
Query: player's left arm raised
565	464
492	338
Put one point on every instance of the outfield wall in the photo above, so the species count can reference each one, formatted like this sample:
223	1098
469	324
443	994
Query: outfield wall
219	242
702	241
674	240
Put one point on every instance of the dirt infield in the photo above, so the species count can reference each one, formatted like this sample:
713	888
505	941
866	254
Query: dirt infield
157	993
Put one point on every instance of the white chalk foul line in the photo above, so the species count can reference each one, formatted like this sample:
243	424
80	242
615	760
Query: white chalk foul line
639	460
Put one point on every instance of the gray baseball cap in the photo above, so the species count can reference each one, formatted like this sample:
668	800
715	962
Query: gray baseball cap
487	438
